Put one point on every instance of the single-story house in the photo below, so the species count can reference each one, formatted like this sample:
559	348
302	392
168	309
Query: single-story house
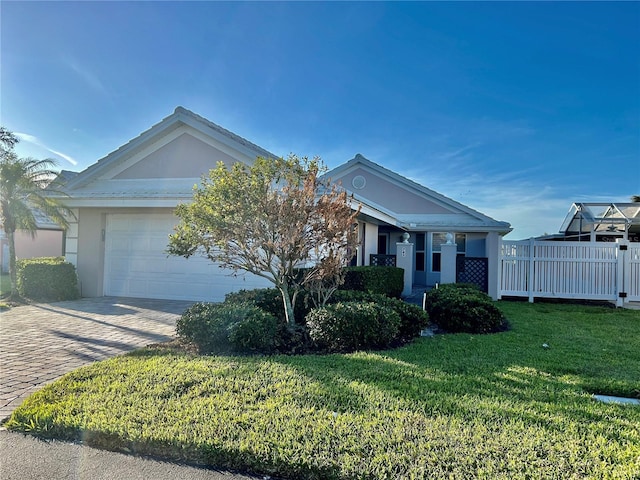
599	222
124	206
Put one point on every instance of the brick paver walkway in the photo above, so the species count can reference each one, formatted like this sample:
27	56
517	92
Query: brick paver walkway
39	343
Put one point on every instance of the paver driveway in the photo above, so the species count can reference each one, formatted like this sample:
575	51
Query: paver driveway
39	343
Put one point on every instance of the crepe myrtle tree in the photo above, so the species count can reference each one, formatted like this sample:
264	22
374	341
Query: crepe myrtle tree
271	219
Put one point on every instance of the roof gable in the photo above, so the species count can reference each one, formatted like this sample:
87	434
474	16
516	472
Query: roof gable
160	152
183	157
412	205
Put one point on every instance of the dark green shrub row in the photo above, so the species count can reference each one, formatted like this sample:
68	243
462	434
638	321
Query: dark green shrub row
229	328
47	279
368	321
349	326
464	308
388	281
412	318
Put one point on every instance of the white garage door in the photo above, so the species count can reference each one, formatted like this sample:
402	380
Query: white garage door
137	265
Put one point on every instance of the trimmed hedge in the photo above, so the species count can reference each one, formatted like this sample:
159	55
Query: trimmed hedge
350	326
388	281
464	308
228	328
412	318
47	279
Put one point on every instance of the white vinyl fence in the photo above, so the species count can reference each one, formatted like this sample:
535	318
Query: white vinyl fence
581	270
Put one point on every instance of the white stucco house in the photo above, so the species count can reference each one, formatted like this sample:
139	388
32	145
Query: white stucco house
124	207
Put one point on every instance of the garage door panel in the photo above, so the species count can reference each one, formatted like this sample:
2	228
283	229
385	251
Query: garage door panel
158	244
137	265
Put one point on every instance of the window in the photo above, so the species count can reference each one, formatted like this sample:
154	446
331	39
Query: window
420	252
440	238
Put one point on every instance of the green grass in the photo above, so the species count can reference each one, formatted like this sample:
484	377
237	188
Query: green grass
452	406
5	284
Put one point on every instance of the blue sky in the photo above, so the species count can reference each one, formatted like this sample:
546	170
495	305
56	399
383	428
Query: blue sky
514	109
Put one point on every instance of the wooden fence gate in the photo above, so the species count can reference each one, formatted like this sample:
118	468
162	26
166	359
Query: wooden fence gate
581	270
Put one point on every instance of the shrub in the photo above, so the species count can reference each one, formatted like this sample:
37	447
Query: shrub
47	279
464	308
228	328
350	326
388	281
269	300
412	318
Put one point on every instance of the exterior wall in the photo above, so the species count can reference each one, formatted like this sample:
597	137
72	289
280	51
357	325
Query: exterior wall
392	196
47	243
169	160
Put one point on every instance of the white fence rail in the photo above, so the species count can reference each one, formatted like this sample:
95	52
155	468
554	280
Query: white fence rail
581	270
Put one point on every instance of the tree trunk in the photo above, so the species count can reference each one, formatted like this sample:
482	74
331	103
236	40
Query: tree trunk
288	306
12	264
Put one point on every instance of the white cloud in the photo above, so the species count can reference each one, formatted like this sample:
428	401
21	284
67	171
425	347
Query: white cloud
89	77
36	141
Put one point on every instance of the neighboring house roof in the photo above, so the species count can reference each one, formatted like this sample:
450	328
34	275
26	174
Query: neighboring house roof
43	222
602	217
65	177
420	208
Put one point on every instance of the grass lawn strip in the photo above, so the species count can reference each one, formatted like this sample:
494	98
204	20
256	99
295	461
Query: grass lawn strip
493	406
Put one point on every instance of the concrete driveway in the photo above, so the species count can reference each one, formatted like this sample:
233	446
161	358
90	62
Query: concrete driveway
39	343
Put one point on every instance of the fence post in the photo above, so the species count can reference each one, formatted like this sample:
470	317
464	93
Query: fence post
499	268
623	274
531	273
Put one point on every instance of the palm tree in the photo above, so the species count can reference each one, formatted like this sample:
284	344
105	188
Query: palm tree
22	189
635	198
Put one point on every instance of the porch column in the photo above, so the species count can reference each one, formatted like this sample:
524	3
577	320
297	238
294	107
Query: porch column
492	252
370	242
448	253
404	260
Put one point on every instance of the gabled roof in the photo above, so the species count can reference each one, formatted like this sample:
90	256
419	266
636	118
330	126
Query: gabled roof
181	116
453	215
601	217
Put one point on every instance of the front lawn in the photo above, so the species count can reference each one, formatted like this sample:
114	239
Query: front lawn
451	406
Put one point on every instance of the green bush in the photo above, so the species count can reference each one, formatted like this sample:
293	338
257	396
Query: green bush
412	318
269	300
464	308
228	328
48	279
350	326
388	281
